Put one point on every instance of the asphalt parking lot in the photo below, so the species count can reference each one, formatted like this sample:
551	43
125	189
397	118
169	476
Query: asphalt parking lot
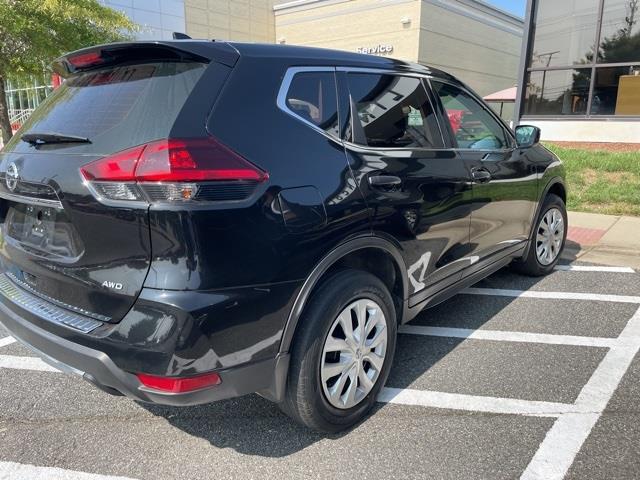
515	378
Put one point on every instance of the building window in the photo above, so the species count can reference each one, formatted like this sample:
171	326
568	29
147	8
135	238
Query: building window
558	92
616	92
584	59
620	34
564	32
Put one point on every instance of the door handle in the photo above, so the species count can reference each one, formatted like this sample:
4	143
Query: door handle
385	181
480	175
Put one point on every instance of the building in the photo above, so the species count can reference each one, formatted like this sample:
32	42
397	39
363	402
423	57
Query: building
474	41
579	78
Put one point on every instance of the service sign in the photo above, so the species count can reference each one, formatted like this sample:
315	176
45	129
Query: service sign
380	49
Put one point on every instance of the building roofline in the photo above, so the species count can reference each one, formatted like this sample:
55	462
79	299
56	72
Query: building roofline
498	10
298	3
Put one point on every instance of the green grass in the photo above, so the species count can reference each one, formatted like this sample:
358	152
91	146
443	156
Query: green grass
601	181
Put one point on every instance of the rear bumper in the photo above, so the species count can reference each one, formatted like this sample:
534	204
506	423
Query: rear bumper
263	376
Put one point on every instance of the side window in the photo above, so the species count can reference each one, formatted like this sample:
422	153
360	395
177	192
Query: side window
391	111
472	125
312	97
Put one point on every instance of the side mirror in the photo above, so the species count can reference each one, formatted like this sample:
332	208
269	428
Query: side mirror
527	135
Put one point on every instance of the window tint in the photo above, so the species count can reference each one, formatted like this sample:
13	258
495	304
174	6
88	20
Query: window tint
620	38
392	112
312	97
616	91
564	32
118	107
557	92
471	123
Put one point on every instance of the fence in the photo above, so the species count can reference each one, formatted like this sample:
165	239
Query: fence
23	96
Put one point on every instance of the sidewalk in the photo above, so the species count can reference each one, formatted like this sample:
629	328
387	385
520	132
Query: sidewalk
606	239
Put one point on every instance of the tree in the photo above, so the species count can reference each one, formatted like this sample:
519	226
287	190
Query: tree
630	19
35	32
620	48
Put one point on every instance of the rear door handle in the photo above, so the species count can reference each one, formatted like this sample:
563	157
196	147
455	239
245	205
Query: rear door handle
385	181
480	175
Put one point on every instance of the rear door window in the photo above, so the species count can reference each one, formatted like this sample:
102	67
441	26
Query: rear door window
119	107
312	97
390	111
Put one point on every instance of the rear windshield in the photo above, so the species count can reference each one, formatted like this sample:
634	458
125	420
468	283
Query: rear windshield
117	108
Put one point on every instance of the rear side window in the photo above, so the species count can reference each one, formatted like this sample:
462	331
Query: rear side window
312	97
119	107
472	125
391	111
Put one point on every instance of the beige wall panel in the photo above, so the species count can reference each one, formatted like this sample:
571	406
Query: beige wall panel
219	6
352	24
195	30
197	16
239	9
195	3
239	20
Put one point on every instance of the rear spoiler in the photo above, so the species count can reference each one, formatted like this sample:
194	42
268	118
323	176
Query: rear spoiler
125	52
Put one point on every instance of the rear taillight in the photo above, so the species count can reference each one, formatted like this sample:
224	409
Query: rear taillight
179	384
174	170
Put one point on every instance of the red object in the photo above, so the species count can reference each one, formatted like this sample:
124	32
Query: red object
585	236
174	160
86	59
179	384
120	166
56	80
455	119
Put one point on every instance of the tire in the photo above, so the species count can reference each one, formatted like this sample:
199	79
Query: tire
306	399
532	264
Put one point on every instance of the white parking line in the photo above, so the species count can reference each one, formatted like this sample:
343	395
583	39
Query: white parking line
6	341
562	443
551	295
504	336
473	403
19	471
25	363
594	268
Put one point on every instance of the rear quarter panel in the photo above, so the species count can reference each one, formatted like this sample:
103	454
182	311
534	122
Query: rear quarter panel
248	243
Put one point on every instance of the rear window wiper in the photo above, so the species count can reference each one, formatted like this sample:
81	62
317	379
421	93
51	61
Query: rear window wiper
52	137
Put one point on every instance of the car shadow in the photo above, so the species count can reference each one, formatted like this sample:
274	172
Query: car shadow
252	425
570	252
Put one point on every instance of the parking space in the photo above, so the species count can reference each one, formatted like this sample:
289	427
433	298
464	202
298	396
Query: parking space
516	377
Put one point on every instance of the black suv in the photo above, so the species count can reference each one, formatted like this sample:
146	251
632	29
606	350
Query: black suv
187	221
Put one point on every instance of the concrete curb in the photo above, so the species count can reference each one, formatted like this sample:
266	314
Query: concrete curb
608	239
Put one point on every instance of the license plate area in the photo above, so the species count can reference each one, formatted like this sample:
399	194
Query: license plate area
44	229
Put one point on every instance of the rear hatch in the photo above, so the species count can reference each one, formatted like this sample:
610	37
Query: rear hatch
58	240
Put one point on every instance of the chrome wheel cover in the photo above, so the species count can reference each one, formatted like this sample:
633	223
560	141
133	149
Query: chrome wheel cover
549	236
353	354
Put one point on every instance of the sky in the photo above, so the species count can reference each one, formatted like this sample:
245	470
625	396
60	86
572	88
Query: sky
512	6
